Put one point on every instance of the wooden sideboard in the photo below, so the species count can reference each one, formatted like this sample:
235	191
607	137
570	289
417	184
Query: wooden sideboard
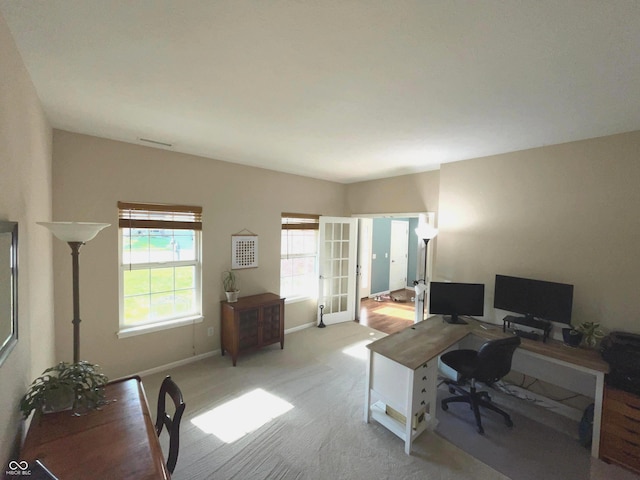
251	323
620	440
117	441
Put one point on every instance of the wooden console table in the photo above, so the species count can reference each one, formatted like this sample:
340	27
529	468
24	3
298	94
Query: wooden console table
251	323
118	441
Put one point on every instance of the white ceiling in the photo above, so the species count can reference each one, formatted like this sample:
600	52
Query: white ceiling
344	90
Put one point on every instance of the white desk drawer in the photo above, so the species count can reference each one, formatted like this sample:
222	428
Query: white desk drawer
425	384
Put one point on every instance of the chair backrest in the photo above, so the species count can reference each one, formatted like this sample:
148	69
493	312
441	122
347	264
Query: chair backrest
494	359
163	419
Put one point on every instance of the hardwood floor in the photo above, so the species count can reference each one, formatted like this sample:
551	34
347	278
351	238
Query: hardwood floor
388	315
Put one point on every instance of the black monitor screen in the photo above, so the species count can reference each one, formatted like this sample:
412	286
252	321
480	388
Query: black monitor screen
534	298
456	299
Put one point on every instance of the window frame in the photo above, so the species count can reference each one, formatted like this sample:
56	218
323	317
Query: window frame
185	218
300	221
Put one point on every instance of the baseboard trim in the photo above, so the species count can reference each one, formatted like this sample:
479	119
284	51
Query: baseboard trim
299	327
202	356
178	363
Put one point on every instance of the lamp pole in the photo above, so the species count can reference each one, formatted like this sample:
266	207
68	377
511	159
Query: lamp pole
426	233
75	254
424	294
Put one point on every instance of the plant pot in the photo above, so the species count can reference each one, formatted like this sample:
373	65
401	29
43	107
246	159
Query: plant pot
58	400
232	297
571	337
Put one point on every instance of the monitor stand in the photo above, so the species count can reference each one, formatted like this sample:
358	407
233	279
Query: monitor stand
454	320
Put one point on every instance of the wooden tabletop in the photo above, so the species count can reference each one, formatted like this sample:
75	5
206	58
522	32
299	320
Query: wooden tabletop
419	343
583	357
253	301
426	340
118	441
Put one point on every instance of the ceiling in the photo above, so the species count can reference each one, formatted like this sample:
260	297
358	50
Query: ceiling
343	90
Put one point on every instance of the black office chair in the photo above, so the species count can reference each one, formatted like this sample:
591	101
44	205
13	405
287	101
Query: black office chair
163	419
487	365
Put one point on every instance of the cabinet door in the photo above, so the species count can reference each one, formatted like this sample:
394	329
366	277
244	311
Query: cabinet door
248	329
271	324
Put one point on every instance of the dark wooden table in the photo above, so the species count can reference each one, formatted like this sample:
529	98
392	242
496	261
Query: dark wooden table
118	441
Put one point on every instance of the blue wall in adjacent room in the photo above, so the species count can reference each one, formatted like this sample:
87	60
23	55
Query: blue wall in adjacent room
381	246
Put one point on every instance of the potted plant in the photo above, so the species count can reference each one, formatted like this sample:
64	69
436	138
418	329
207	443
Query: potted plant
230	285
591	333
67	385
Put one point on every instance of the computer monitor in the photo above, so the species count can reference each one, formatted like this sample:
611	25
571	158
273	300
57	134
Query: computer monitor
456	299
534	298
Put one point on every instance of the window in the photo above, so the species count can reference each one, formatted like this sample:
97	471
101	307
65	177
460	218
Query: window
160	266
298	255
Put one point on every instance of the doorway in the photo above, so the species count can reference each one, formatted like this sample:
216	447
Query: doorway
375	255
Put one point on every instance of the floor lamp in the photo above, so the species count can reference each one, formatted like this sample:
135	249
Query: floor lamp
75	234
425	232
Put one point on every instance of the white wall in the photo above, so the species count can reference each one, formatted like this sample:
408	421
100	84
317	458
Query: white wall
90	175
25	197
565	213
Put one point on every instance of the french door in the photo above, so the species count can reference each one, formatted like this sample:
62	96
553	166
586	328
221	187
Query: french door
337	266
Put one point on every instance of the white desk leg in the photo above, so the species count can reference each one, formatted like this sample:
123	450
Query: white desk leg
597	415
367	388
408	430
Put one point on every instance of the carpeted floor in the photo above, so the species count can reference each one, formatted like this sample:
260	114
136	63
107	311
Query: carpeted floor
528	451
309	399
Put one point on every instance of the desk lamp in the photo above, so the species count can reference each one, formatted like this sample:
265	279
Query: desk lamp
425	232
75	234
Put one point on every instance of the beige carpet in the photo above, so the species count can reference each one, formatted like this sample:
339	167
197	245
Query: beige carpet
316	385
309	399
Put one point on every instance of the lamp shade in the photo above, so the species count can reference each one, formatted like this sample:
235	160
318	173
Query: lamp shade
426	231
74	231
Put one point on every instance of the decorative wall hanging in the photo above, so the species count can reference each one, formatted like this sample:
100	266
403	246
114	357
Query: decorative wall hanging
244	250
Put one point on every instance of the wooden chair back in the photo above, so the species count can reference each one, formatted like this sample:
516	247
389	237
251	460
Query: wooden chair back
163	419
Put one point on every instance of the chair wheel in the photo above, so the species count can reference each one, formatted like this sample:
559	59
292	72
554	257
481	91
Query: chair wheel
509	423
481	430
445	407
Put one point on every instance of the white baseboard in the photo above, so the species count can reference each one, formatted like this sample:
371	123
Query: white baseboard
202	356
299	327
178	363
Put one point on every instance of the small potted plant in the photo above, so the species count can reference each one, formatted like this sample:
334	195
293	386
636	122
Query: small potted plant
67	385
591	333
230	285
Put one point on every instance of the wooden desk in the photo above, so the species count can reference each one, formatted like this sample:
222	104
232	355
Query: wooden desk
118	441
400	373
402	377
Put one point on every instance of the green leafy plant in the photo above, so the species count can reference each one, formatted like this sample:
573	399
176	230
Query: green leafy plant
78	385
591	333
229	281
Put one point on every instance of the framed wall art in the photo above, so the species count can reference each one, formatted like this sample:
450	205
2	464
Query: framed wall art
244	250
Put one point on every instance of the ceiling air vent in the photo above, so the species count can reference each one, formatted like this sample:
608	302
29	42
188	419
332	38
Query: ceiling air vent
155	142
